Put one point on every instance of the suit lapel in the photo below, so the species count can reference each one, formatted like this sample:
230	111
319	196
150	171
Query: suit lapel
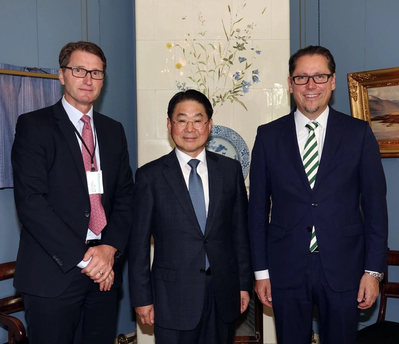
215	179
67	129
289	137
333	138
174	177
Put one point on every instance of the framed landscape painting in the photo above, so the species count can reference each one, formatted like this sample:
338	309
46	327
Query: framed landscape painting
374	97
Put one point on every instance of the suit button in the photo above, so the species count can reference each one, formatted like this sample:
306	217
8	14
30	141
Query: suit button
87	214
309	229
314	204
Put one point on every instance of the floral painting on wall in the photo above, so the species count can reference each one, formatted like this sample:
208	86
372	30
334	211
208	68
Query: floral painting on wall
224	69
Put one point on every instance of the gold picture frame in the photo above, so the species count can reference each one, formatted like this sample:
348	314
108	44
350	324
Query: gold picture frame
374	97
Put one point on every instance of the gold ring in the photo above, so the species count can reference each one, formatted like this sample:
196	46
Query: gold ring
100	272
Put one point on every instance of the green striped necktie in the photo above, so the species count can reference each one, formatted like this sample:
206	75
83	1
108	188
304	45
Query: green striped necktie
311	164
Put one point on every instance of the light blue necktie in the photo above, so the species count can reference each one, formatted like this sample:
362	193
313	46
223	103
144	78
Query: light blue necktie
196	191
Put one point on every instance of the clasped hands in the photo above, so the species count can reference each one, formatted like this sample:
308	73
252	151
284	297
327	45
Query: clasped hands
100	268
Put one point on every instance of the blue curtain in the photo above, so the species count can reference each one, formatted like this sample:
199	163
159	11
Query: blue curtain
18	95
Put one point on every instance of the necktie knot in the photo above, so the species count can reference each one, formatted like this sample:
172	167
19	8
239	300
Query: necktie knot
85	119
193	163
311	126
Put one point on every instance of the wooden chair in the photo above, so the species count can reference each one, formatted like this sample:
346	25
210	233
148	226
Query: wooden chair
383	331
9	305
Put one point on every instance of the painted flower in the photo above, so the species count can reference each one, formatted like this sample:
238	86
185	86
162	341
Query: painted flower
181	86
245	86
209	67
255	77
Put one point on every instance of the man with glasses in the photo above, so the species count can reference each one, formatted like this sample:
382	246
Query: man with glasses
194	204
73	193
317	210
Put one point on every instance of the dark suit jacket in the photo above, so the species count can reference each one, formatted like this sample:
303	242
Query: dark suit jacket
163	209
52	198
347	205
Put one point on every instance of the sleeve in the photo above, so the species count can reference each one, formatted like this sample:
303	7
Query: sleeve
140	242
120	198
373	204
240	226
259	205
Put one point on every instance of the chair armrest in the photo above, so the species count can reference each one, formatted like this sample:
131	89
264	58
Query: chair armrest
16	329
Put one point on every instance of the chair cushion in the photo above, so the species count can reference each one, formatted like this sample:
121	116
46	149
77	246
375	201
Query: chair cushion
384	332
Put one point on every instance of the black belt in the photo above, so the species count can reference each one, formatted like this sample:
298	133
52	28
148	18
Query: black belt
207	272
94	242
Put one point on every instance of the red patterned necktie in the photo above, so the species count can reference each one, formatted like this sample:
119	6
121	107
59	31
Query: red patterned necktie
97	217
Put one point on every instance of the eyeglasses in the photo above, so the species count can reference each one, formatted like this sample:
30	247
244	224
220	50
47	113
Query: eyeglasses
317	79
197	124
81	73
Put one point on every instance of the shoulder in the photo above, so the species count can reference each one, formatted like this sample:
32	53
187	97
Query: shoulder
158	164
42	114
346	120
105	120
223	162
277	123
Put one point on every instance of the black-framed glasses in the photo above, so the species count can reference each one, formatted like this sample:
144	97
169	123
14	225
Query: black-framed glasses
81	73
317	79
197	124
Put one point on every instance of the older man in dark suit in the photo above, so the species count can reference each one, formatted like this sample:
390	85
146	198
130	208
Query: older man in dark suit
73	192
201	273
318	173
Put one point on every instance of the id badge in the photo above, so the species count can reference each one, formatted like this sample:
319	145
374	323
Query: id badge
95	182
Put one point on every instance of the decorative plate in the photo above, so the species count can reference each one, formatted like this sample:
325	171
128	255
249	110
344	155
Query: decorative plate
226	141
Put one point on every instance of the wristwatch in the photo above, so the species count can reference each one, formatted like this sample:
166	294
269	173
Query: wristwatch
377	275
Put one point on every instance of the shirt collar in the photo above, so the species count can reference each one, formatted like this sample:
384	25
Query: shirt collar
73	113
301	120
185	158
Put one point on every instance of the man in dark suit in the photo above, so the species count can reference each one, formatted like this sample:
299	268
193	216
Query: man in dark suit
201	273
318	174
76	216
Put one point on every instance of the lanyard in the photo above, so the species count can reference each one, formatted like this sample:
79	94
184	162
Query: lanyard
87	148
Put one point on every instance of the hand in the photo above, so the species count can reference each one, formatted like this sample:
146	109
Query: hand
145	314
244	300
107	284
264	291
101	263
368	291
